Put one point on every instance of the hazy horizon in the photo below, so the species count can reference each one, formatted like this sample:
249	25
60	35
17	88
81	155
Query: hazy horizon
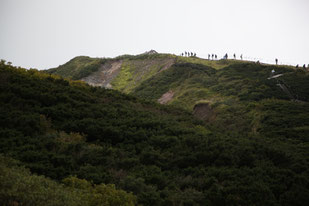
45	34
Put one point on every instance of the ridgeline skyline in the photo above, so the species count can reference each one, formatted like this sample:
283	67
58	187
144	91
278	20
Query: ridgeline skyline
45	34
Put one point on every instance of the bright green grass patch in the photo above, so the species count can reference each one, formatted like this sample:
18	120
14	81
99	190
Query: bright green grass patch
124	79
134	72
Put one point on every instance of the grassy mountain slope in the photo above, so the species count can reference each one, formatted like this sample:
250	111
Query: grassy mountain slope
227	93
233	93
242	81
61	128
78	67
134	69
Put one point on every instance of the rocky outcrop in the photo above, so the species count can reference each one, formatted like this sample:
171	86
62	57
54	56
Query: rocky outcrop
151	52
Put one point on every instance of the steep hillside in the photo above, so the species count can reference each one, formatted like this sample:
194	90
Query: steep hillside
218	92
69	131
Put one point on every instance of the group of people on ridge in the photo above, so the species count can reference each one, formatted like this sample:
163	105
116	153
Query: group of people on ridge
224	57
215	57
304	66
188	54
297	66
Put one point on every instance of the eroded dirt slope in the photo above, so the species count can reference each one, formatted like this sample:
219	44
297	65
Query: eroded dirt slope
106	73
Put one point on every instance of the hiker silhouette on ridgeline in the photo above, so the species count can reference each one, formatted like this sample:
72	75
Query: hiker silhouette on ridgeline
225	56
234	56
194	54
208	56
276	61
241	56
185	53
297	66
304	66
191	54
216	56
212	56
182	54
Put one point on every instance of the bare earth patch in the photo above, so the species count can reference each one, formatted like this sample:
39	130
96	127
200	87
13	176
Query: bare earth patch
106	73
168	64
168	96
204	111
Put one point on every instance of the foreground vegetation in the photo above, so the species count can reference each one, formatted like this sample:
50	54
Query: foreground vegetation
89	141
20	187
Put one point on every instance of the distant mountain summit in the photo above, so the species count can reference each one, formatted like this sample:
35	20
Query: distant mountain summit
151	52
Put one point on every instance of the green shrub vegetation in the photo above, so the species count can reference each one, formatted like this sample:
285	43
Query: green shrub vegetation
86	145
20	187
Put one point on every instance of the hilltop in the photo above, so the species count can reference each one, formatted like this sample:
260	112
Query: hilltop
216	91
176	76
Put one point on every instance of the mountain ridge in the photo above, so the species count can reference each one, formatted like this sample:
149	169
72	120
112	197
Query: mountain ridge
224	87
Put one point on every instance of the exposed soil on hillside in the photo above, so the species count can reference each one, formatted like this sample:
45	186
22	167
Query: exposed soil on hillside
106	73
204	111
168	96
167	64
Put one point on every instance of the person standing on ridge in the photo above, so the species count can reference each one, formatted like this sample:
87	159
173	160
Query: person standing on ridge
241	56
215	56
234	56
276	61
212	56
208	56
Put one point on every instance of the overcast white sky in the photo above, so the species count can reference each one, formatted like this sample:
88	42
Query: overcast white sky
46	33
